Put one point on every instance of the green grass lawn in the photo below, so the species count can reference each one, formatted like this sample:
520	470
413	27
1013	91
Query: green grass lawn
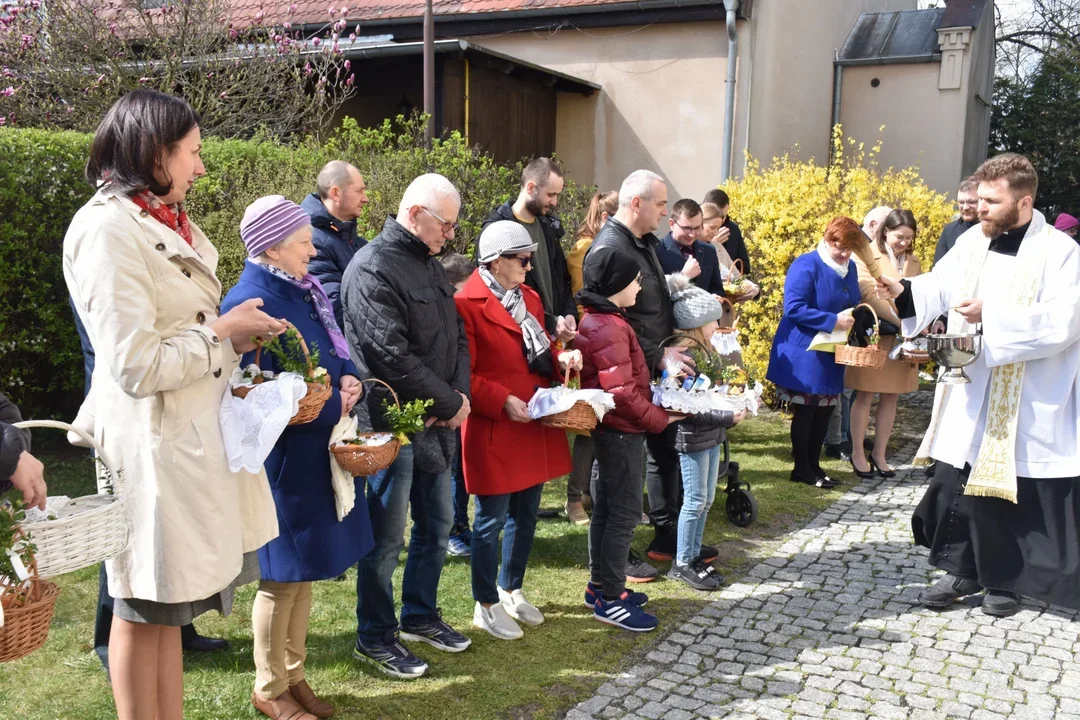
552	667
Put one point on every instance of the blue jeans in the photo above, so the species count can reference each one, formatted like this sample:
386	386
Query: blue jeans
514	515
391	493
457	489
699	473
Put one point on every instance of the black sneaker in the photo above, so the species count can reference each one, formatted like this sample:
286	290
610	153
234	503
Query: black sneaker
391	657
662	548
639	571
435	633
696	575
1001	603
946	591
708	568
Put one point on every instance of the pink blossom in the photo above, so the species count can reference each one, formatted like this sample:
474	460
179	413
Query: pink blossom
333	11
352	37
292	8
288	26
233	34
348	65
3	120
223	95
8	91
316	42
70	109
351	80
259	16
144	80
8	73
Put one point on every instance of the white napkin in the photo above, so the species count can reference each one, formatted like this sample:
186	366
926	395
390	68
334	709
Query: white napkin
549	401
53	505
251	426
726	343
343	482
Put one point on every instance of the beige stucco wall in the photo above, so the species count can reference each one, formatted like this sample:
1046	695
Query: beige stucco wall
794	43
661	107
979	92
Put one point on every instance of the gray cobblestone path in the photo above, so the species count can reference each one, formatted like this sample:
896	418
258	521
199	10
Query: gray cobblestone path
828	627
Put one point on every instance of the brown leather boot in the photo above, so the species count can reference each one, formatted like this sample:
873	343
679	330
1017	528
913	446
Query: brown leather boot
283	707
310	702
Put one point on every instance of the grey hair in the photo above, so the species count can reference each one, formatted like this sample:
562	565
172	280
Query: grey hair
639	184
428	191
264	259
877	215
335	173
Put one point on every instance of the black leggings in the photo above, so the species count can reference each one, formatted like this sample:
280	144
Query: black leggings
809	426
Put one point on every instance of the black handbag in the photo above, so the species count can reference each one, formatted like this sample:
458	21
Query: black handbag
887	328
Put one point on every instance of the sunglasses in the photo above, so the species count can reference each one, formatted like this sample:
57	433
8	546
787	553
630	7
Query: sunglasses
446	226
525	261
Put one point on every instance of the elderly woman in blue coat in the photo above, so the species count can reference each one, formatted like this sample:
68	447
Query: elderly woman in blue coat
820	286
313	544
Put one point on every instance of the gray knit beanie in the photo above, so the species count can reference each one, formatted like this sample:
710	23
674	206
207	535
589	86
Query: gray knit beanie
694	307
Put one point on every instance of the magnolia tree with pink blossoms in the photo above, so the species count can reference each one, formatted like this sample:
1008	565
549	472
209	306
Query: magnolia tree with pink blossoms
64	62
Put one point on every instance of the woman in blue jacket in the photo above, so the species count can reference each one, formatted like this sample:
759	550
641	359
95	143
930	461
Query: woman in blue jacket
820	286
313	544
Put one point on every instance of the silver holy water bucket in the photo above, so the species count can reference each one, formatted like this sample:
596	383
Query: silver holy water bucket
953	353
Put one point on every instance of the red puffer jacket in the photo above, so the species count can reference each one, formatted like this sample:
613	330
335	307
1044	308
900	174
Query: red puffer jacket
614	362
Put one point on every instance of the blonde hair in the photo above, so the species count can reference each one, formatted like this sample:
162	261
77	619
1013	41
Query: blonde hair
709	211
687	338
600	203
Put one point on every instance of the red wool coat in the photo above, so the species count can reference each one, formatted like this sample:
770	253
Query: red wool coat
499	455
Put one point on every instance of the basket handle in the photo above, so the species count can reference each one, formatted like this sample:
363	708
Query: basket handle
31	571
734	311
387	386
288	326
570	374
669	338
741	270
873	312
114	477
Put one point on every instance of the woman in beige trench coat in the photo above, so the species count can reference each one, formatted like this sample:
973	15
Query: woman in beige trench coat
142	277
891	245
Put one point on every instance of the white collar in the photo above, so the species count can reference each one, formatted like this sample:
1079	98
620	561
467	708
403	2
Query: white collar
823	253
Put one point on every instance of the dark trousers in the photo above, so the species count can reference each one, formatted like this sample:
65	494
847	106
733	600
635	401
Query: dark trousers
616	496
577	484
459	494
663	479
809	426
514	516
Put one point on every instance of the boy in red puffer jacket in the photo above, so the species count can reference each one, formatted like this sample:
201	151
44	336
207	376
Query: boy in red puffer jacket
614	362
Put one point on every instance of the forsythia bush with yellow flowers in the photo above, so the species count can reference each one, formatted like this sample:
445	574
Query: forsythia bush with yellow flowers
783	210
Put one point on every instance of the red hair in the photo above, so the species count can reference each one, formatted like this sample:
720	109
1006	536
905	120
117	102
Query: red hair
844	232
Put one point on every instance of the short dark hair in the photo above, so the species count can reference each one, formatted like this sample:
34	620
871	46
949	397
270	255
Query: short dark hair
458	267
138	132
539	170
686	209
1013	168
717	197
969	184
897	218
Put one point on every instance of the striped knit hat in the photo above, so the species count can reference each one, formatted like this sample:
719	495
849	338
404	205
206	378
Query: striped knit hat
270	220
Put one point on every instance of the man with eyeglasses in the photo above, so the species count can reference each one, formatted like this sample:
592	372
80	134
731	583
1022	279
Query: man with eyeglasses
402	323
541	183
967	202
682	250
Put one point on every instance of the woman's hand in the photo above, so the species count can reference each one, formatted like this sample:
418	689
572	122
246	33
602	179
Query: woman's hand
351	390
844	321
674	418
29	479
566	329
517	409
570	360
246	321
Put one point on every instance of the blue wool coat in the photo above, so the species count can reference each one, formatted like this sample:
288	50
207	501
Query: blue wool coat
813	296
312	544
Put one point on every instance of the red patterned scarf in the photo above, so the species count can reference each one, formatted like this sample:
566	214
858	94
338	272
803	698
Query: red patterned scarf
171	216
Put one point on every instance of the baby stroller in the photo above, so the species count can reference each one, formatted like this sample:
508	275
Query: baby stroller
741	506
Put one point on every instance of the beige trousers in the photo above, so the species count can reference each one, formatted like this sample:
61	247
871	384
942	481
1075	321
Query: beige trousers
279	619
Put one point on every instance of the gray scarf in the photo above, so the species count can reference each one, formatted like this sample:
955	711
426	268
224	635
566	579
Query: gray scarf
537	341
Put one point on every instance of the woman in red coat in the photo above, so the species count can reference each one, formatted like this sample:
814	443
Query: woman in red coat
507	458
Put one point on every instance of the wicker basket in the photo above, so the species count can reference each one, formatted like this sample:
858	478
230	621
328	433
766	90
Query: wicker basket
317	393
93	528
734	316
28	609
870	356
579	418
359	460
917	357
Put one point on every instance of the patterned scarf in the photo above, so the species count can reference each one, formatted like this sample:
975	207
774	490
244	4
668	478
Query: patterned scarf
171	216
322	306
537	341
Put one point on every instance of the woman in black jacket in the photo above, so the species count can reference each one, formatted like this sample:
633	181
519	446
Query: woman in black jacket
17	466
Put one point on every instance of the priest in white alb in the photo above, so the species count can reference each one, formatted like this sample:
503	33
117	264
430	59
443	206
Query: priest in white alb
1002	513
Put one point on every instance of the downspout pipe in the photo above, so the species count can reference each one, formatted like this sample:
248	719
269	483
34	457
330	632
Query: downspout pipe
732	7
837	98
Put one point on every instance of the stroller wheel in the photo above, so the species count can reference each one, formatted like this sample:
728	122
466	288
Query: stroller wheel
741	507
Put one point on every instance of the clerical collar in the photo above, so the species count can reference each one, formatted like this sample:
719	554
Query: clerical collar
1008	243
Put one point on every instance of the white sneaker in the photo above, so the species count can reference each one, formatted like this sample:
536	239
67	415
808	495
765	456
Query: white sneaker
495	620
519	608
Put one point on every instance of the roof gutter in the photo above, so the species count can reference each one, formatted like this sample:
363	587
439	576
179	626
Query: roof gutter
732	7
891	60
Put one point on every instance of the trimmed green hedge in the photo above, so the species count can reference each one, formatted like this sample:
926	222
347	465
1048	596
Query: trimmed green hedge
42	186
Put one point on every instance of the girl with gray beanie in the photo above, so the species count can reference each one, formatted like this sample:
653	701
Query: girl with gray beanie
698	439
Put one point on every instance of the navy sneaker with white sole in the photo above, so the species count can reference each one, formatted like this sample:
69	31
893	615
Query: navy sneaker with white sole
623	614
435	633
638	598
391	657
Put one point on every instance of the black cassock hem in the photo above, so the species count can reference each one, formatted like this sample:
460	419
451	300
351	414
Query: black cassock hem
1031	547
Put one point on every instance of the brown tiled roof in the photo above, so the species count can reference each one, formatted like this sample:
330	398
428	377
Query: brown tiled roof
316	11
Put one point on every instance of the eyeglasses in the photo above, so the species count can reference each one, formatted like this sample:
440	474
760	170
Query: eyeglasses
967	203
525	261
446	226
690	230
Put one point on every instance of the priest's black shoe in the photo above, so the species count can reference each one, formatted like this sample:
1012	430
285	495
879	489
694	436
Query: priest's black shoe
1001	603
823	482
859	473
948	590
194	642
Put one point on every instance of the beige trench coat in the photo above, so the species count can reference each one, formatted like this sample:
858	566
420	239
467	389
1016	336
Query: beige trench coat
146	298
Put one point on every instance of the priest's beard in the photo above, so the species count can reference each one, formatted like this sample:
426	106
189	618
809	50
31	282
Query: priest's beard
994	227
